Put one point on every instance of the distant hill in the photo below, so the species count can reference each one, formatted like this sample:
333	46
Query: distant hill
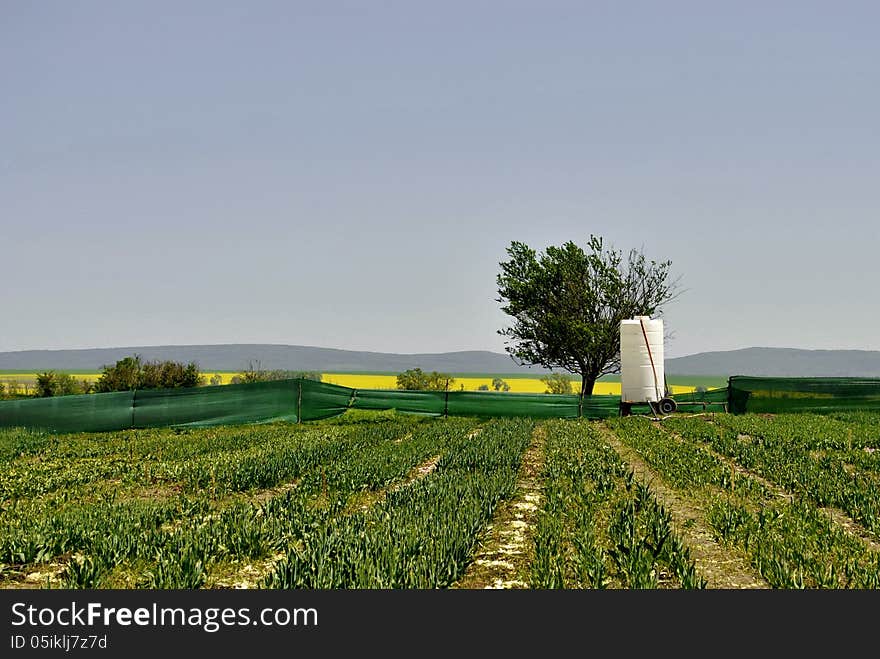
236	357
782	362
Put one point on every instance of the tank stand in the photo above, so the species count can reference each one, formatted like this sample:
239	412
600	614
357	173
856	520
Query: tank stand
664	406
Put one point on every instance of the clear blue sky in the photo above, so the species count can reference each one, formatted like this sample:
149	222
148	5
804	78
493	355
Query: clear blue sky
349	174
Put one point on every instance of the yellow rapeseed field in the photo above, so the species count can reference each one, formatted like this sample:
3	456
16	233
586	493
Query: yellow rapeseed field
367	381
517	385
31	378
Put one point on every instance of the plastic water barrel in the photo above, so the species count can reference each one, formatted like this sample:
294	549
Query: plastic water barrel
641	360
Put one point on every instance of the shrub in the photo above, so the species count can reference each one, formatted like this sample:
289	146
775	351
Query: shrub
50	383
131	373
500	385
415	379
255	373
557	383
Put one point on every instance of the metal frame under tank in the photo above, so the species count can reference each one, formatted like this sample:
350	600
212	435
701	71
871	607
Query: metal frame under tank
665	405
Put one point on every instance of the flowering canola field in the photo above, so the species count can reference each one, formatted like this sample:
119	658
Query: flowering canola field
517	385
371	381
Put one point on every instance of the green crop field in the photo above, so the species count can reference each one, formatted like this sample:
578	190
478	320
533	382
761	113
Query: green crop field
381	500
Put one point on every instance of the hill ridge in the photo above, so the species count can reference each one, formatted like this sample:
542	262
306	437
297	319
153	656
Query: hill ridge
761	361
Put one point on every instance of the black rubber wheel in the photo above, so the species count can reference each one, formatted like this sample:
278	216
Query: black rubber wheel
666	406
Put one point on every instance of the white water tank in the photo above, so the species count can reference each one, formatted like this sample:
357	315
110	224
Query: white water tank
641	360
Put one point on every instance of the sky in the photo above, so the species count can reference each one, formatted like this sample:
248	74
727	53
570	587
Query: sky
350	174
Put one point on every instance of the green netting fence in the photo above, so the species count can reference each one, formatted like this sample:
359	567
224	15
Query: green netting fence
308	400
297	400
817	395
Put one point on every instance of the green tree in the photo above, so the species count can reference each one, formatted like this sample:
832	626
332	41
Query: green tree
169	375
500	385
557	383
415	379
133	373
567	303
216	379
50	383
256	373
46	385
123	376
67	385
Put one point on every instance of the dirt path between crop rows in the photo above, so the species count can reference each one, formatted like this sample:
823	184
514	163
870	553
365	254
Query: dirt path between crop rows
504	554
721	567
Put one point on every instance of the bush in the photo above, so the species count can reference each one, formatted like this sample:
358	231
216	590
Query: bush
258	374
131	373
557	383
415	380
500	385
50	383
46	384
168	375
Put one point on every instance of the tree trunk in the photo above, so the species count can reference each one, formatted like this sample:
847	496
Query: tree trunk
588	381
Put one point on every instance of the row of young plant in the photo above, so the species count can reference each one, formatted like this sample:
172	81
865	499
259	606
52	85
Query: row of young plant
839	431
35	530
222	460
170	543
422	535
141	444
182	556
68	461
814	457
852	437
322	495
789	540
599	527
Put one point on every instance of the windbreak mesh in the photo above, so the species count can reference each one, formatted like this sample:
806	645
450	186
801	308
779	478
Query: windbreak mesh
818	395
259	402
84	413
300	400
413	402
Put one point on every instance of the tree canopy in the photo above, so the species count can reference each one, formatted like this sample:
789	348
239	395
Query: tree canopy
256	373
50	383
567	303
557	383
416	379
500	385
133	373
